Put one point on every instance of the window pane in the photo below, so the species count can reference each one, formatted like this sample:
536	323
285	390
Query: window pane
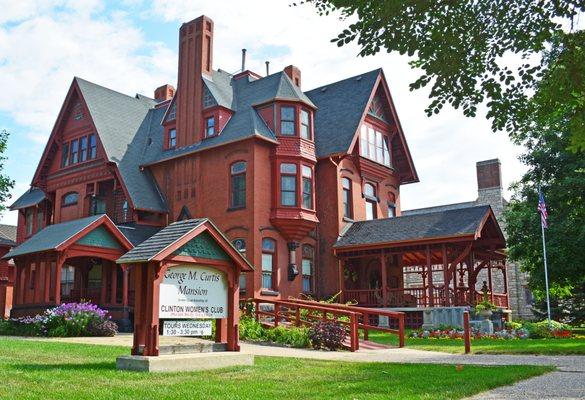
242	281
92	147
369	210
289	199
65	155
289	183
74	151
267	281
83	145
371	143
391	211
304	117
346	204
288	168
268	244
238	190
305	132
346	183
369	190
307	172
307	193
307	266
306	284
386	152
287	113
287	128
238	167
267	262
240	245
364	141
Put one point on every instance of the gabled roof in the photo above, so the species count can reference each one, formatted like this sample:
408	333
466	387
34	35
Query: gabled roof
30	198
442	207
120	121
170	238
341	106
138	233
58	236
462	222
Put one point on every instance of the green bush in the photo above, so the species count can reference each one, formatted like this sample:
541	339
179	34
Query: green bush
292	336
544	330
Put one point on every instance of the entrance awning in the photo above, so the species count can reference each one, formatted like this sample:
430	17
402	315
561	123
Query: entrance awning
95	232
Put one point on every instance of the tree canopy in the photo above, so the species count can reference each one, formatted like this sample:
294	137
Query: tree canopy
474	52
5	182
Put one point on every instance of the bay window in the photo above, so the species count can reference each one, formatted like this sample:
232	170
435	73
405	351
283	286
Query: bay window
347	198
288	184
374	145
307	173
371	201
268	260
238	184
287	120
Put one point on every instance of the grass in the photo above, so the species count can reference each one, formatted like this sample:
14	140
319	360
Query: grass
490	346
52	370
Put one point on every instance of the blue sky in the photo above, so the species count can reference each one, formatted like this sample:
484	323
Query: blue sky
131	46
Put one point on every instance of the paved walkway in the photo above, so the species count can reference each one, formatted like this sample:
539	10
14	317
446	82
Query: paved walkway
568	382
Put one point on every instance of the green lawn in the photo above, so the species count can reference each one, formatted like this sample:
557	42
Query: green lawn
43	370
490	346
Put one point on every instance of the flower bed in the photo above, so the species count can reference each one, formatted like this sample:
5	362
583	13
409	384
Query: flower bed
66	320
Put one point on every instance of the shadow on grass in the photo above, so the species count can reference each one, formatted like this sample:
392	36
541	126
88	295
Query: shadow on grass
97	366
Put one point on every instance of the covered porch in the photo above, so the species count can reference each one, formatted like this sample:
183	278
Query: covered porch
71	262
439	259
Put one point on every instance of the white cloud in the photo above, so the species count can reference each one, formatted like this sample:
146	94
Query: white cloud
43	44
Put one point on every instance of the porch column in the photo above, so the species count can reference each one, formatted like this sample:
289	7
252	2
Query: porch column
490	281
424	284
125	273
39	273
429	267
114	287
104	283
384	275
47	282
340	278
445	276
58	268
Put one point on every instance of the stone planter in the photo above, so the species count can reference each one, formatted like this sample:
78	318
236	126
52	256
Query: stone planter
485	314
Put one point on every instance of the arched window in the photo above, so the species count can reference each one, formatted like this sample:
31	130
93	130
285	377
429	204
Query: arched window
268	263
391	205
69	199
238	185
371	201
307	267
347	198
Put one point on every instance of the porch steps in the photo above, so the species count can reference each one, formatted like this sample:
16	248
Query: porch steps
192	348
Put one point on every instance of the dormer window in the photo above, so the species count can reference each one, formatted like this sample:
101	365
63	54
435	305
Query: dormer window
172	138
374	145
78	150
305	125
287	120
210	127
74	151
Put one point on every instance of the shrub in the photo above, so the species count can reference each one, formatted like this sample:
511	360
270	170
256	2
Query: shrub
327	334
105	328
250	329
544	330
292	336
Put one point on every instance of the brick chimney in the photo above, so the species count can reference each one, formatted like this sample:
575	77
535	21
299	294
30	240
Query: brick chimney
489	185
294	74
195	60
163	93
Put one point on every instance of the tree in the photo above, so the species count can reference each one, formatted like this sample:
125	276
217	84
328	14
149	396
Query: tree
466	50
5	182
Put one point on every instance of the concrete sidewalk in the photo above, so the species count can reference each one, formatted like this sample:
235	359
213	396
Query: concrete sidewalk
568	382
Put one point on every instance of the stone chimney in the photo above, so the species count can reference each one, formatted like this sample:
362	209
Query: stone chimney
489	186
294	74
195	60
163	93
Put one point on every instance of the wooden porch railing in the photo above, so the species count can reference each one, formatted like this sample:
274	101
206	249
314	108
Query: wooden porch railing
418	297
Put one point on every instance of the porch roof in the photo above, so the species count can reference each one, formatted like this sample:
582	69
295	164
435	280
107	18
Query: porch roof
56	237
463	223
30	198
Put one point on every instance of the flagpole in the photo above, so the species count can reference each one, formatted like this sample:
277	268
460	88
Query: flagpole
545	274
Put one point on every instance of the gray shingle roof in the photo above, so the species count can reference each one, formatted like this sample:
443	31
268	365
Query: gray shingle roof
340	108
7	235
443	207
136	233
449	223
148	249
52	236
120	121
30	198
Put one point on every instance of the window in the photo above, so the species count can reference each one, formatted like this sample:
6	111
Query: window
391	210
371	201
69	199
287	121
305	125
67	280
92	147
240	245
307	173
40	219
238	184
172	138
268	256
125	211
209	126
74	152
65	155
288	184
307	268
83	148
374	146
97	206
347	200
29	220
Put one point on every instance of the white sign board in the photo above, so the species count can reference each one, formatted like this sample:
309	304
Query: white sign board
187	328
191	292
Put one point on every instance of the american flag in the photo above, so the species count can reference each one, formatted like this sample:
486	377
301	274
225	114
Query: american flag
542	209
